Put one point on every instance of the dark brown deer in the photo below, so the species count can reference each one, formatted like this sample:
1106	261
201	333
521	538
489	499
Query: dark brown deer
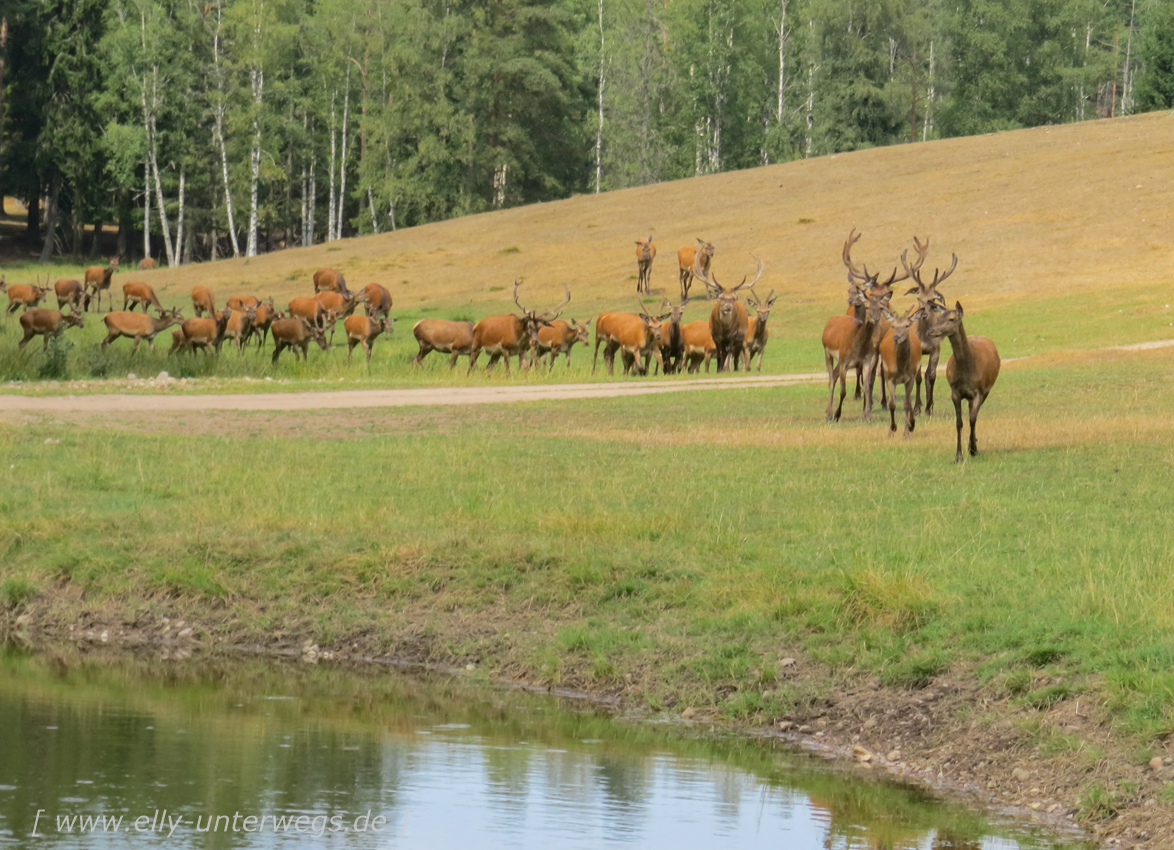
931	301
645	254
672	338
728	319
971	372
900	352
71	293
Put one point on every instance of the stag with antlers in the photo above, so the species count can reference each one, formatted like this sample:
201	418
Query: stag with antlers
505	336
728	320
930	301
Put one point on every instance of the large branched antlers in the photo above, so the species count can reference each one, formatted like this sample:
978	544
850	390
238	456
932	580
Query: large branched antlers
549	315
861	277
927	293
715	289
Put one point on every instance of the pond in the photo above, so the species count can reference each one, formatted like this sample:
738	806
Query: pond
117	751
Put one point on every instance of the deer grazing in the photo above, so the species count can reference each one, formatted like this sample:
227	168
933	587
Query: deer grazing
756	333
645	254
363	330
728	319
698	345
71	293
636	337
146	264
138	326
971	372
376	300
203	301
337	305
688	258
330	280
305	307
205	333
900	352
26	295
42	321
136	292
265	314
672	339
559	337
97	279
930	301
295	334
242	302
455	338
505	336
238	324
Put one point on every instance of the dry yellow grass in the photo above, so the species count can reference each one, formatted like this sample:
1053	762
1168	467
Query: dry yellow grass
1081	207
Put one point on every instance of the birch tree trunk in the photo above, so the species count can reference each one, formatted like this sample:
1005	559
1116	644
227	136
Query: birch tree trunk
346	107
146	201
1127	77
153	153
257	83
313	202
780	106
179	220
218	131
599	129
332	212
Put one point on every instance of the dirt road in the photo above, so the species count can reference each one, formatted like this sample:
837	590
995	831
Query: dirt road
427	396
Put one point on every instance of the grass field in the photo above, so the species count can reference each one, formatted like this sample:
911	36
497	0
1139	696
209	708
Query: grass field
1064	237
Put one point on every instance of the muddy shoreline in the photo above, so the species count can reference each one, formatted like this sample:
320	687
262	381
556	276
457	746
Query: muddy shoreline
952	737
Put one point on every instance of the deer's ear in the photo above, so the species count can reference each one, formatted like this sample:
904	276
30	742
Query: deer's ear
889	315
912	291
958	308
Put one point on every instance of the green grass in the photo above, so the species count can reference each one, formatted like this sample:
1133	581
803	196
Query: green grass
688	541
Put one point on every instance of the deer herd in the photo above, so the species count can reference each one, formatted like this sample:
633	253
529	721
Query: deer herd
869	338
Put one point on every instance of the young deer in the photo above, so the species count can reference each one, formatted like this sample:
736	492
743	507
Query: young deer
971	372
756	333
900	352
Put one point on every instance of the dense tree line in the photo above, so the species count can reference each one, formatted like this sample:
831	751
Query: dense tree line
245	125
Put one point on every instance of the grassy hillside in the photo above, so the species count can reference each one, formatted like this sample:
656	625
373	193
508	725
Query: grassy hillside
1064	237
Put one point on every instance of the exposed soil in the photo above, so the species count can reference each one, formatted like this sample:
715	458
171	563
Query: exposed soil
956	737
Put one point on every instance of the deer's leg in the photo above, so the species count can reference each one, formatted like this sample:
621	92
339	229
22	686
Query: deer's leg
917	407
474	353
957	399
910	416
28	334
931	376
859	383
975	406
842	378
830	362
869	383
891	404
367	347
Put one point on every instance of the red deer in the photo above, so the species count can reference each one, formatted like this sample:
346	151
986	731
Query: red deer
295	334
146	264
308	308
71	292
636	337
242	302
728	319
672	341
203	333
971	372
363	330
139	326
25	295
505	336
931	301
846	344
645	254
455	338
136	292
265	314
45	322
559	337
203	301
238	324
338	306
756	333
376	300
900	352
698	345
329	280
687	258
97	279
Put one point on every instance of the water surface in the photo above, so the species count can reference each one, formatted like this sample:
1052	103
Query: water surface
183	754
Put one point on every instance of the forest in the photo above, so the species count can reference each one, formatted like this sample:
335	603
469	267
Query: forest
199	131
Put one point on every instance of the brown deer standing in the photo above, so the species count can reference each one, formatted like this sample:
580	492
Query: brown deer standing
698	345
376	300
146	264
728	319
636	337
45	322
330	280
455	338
559	337
687	258
672	339
295	334
337	305
71	293
971	372
242	302
136	292
97	278
203	301
900	351
756	333
205	333
505	336
138	326
25	295
930	301
645	254
363	330
265	314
